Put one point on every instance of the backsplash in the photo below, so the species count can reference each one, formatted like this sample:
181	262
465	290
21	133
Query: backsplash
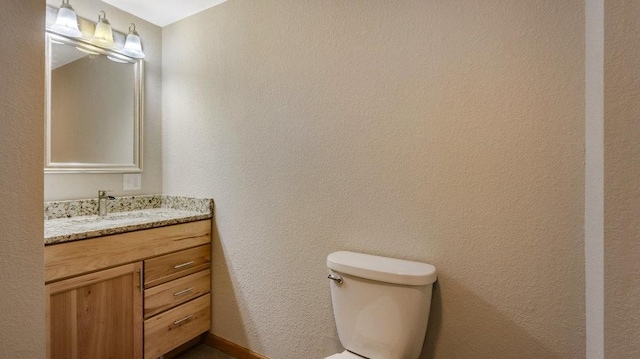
187	203
89	207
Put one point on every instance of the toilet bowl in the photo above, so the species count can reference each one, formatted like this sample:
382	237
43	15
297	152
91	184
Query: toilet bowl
381	305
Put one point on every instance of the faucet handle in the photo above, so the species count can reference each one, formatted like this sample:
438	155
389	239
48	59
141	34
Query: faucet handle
102	193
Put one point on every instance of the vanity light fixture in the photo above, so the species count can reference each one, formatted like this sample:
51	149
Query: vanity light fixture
115	59
133	46
86	51
66	21
103	35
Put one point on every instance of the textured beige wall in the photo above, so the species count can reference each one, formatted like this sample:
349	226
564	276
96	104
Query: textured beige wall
594	178
73	186
22	328
450	132
622	171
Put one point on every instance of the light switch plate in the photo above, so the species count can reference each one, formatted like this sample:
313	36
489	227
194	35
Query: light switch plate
131	182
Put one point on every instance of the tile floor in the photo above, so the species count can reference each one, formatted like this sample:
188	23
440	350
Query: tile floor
202	351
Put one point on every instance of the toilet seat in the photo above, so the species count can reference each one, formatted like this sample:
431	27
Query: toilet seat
344	355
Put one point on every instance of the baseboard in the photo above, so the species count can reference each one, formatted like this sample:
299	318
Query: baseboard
230	348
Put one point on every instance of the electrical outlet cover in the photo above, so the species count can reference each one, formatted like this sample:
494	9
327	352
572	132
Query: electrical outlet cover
131	182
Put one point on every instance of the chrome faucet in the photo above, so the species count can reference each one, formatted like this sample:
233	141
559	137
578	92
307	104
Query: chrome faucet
102	202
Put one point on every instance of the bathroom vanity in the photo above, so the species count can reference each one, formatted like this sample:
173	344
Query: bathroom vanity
133	284
125	277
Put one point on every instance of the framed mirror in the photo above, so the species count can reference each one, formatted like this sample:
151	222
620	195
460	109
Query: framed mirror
93	108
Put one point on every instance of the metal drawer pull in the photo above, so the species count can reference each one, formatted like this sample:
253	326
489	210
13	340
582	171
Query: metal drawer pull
183	265
182	292
183	319
337	278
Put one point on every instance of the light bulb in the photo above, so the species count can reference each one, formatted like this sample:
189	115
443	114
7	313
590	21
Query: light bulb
103	35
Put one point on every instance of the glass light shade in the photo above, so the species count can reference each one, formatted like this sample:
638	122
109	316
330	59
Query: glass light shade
82	49
66	21
103	35
133	46
115	59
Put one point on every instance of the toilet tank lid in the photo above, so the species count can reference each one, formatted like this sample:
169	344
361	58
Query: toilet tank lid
383	269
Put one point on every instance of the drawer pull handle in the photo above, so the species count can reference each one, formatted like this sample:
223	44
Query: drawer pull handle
182	292
177	322
183	265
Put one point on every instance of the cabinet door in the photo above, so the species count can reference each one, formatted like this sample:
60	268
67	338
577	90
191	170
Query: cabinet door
97	315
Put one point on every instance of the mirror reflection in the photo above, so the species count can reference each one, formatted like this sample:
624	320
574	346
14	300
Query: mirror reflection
93	117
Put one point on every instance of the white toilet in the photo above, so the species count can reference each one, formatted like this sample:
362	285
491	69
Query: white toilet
381	305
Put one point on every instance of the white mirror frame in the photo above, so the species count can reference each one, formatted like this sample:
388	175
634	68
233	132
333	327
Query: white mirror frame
73	167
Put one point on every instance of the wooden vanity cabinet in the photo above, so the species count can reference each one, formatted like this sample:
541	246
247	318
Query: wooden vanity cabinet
96	315
97	304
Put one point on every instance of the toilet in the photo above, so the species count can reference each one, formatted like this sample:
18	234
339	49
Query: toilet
381	305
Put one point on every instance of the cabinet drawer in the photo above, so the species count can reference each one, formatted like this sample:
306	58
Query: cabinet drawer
172	328
168	295
171	266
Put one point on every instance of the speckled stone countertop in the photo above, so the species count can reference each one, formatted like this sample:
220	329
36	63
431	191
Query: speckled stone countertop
67	221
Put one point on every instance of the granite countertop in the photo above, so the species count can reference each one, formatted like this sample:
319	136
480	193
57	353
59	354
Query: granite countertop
67	221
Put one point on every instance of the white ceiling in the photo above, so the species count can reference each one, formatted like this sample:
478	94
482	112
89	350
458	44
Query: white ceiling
163	12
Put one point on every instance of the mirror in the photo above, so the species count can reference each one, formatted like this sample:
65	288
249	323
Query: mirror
94	108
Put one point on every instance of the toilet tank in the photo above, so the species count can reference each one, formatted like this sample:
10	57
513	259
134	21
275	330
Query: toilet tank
382	306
